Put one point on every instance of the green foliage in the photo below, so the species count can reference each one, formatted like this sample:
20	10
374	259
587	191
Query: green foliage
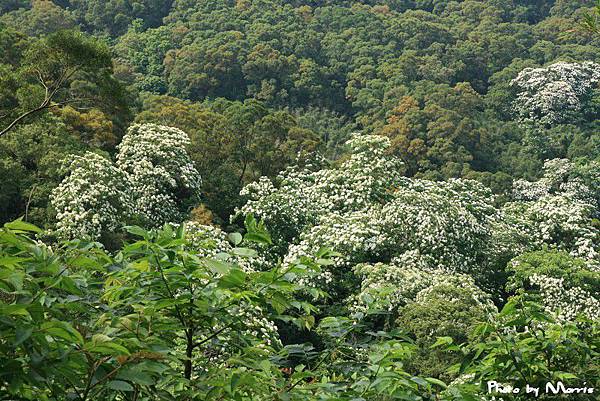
49	317
30	169
114	17
269	91
153	182
554	264
444	310
42	18
64	67
524	345
565	285
157	321
433	76
438	133
590	22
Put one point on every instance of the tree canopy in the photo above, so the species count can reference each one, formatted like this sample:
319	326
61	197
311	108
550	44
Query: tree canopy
306	200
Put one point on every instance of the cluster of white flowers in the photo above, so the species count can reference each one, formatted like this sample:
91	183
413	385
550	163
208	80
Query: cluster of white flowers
555	210
366	211
153	178
422	219
256	328
404	237
551	95
256	325
159	170
557	179
205	240
566	303
299	198
406	279
209	241
94	197
448	223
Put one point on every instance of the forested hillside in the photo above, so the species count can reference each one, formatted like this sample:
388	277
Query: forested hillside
299	200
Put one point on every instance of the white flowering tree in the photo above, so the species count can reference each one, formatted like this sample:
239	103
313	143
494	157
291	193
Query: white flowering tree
566	286
555	94
153	182
163	178
556	211
368	213
298	198
210	241
94	198
391	286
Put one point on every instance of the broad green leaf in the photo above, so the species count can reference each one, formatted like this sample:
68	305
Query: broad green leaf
435	381
136	376
234	278
119	385
442	341
11	260
180	234
62	330
107	348
12	310
22	334
142	265
258	238
279	302
509	308
565	375
217	266
138	231
420	381
20	225
235	238
245	252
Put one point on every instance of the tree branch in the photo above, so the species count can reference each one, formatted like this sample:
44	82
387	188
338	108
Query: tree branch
50	92
22	117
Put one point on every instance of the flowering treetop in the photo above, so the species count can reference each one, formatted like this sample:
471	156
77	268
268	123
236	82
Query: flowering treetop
153	182
551	95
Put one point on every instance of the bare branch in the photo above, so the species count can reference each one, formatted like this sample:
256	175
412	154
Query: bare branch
22	117
29	201
45	105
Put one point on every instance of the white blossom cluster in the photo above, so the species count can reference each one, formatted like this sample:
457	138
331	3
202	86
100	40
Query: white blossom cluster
431	222
256	325
205	240
159	169
448	223
262	331
152	180
93	198
556	211
406	279
405	237
551	95
209	241
566	302
299	198
557	179
366	211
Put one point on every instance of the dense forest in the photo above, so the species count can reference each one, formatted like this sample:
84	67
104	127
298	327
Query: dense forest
299	200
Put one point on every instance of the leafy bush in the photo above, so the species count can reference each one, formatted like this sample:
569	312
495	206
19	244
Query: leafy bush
443	310
525	345
158	320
